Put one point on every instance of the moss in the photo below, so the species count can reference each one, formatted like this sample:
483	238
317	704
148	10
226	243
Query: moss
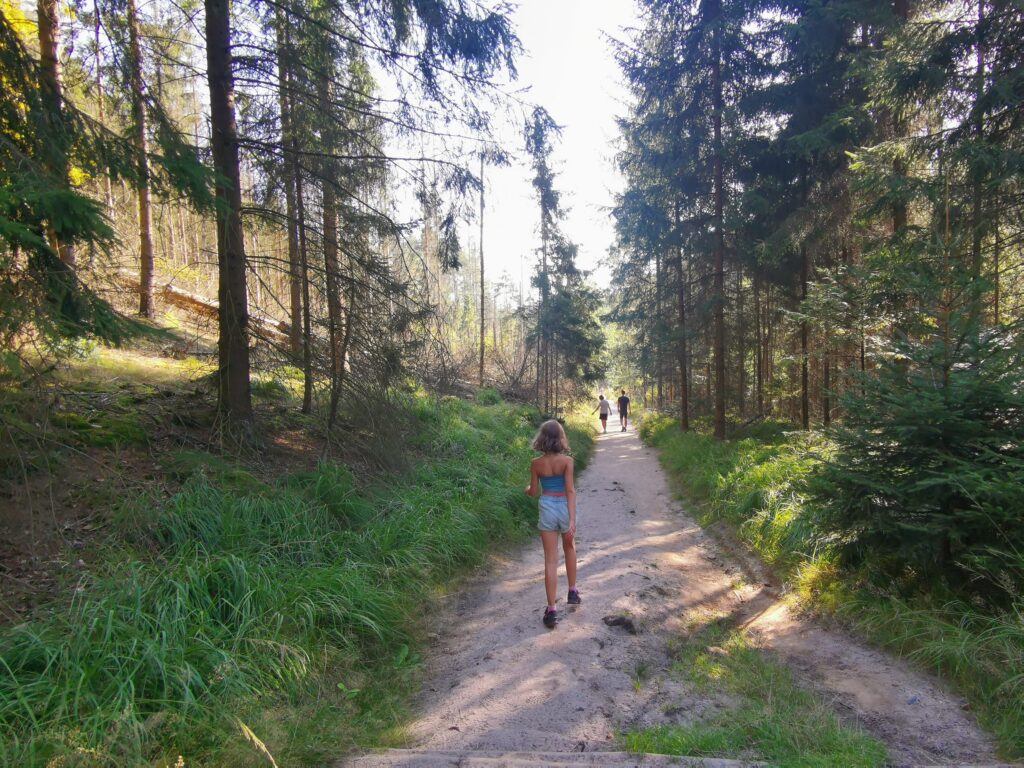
101	430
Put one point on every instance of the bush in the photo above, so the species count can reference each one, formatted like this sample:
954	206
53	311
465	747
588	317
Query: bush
488	396
929	464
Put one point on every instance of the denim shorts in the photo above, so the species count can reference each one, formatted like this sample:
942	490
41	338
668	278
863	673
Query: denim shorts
554	514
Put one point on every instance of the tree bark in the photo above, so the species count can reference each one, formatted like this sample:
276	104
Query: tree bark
659	340
147	306
719	223
545	342
805	395
332	267
826	385
901	9
769	364
741	349
977	182
684	384
290	151
483	320
108	191
233	345
758	346
307	320
996	253
57	161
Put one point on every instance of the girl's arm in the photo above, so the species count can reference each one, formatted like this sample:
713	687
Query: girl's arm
531	489
570	494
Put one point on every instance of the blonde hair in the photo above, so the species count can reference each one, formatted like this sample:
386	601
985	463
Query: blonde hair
551	438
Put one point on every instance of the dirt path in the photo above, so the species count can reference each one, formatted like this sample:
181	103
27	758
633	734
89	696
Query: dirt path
501	682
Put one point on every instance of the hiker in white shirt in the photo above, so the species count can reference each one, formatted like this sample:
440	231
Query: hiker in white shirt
605	407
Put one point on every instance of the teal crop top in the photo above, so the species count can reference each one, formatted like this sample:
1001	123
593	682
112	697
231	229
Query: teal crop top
553	483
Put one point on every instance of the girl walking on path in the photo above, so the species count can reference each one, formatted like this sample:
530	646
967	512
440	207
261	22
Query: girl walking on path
552	475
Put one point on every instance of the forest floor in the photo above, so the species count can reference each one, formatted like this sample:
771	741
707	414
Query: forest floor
498	682
108	428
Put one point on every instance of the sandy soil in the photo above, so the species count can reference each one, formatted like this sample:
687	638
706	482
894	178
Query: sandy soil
500	681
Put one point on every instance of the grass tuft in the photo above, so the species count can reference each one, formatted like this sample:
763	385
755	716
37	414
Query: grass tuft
766	717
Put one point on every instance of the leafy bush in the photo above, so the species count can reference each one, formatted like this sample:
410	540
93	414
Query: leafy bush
929	464
488	396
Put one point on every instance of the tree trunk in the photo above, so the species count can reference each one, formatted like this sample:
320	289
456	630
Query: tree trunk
826	385
901	9
719	223
307	321
289	146
233	345
57	162
658	341
557	394
805	395
977	182
769	343
545	342
741	349
758	349
997	247
708	377
332	267
684	384
147	308
494	321
108	190
167	223
483	318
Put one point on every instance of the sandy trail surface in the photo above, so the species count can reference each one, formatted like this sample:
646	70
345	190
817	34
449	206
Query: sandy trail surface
498	680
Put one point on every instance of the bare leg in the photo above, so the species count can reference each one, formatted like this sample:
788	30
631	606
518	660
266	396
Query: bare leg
569	548
550	541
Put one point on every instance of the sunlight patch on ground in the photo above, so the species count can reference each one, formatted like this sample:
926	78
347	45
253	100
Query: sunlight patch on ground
116	366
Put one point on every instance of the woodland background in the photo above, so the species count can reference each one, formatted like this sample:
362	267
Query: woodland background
817	299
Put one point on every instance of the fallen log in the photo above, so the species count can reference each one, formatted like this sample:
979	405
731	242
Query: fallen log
202	305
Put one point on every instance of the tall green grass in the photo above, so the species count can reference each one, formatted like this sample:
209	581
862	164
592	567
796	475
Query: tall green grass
286	609
755	483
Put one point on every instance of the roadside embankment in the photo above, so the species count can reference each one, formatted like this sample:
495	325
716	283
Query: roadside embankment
752	488
247	614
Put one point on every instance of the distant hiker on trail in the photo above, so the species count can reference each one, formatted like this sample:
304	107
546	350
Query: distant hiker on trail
551	474
605	407
623	410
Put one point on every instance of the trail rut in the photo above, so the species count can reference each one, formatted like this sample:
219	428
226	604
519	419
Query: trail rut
499	682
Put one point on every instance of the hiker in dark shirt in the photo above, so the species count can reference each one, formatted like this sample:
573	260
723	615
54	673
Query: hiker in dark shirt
623	410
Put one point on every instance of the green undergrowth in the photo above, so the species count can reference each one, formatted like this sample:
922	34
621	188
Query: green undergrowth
246	617
762	714
755	483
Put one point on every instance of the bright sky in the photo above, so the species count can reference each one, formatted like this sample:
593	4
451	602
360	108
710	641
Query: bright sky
569	69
